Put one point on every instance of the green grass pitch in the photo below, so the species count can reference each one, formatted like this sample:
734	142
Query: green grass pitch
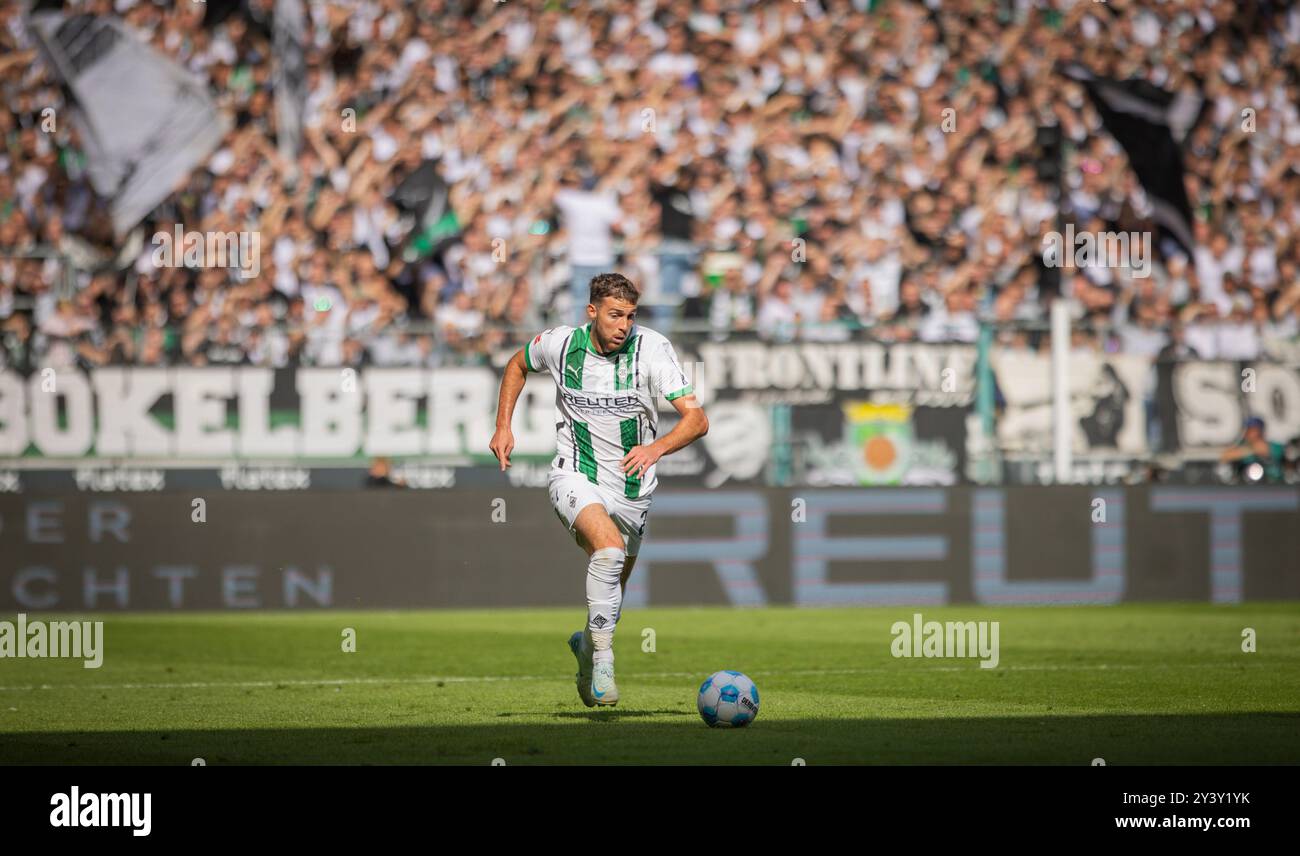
1128	684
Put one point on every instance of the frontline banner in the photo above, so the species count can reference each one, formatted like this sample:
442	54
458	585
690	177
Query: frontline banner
501	547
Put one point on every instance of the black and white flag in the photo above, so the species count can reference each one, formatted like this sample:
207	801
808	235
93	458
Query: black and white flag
1150	124
144	121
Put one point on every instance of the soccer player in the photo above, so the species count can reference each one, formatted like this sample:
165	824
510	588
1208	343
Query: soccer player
608	375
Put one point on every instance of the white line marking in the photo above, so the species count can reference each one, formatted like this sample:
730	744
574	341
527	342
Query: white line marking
476	679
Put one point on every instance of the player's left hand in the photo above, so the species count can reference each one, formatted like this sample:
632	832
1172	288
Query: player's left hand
640	459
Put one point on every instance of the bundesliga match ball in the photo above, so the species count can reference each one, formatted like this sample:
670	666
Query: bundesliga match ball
728	700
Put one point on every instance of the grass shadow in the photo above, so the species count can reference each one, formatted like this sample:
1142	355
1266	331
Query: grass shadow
1248	738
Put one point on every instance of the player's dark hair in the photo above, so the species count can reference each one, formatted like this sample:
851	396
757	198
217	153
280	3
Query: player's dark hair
613	285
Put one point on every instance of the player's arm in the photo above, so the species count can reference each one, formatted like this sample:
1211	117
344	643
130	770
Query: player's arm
692	426
512	383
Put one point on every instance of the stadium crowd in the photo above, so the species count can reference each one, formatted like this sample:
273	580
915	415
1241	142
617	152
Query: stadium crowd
798	169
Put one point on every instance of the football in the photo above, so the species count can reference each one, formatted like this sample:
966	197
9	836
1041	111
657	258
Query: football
728	699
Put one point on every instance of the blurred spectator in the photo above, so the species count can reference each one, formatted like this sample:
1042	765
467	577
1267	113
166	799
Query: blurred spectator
731	307
778	317
589	219
952	321
1253	458
381	475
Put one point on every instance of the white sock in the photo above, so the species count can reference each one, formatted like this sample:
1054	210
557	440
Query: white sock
604	600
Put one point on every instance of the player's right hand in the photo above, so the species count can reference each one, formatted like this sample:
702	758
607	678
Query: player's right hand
503	443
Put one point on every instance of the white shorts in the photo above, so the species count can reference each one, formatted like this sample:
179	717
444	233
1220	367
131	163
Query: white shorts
571	492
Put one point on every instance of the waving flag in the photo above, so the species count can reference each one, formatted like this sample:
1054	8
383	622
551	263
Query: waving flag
144	121
1150	124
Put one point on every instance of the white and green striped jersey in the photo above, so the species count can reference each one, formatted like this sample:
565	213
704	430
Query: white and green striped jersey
607	403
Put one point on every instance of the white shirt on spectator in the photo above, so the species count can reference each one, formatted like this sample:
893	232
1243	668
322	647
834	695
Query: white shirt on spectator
466	322
519	35
776	319
414	52
1237	340
940	325
672	65
728	311
1210	271
587	219
1287	327
747	39
1203	339
884	274
1263	266
808	304
1143	341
